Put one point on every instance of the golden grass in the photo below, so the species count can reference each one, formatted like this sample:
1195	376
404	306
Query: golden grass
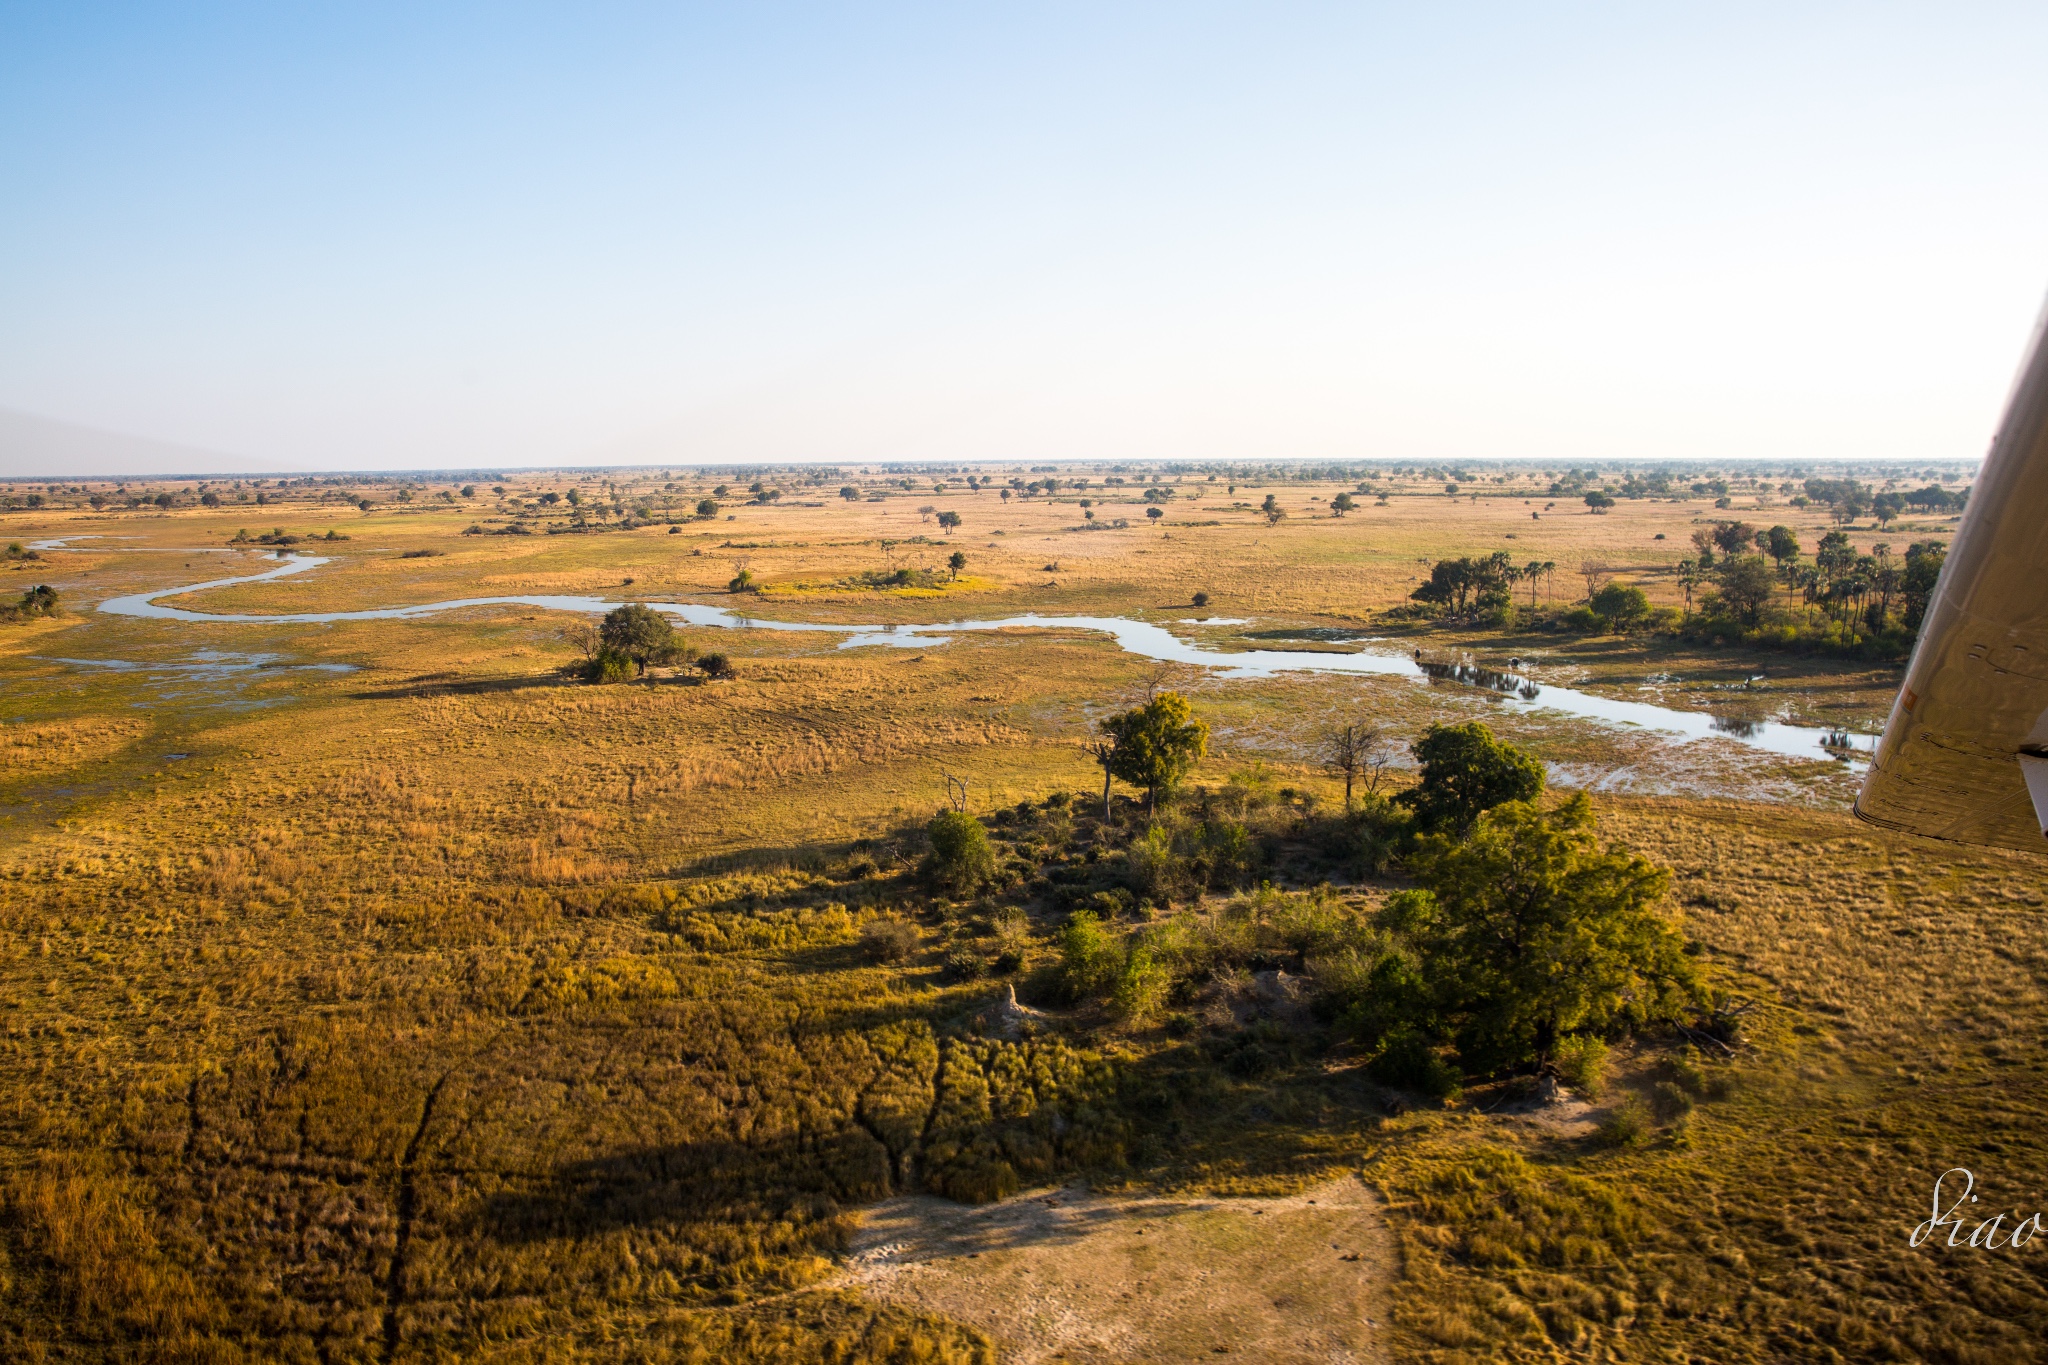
445	1010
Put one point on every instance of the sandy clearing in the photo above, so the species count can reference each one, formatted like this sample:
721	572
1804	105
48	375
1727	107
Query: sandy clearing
1063	1274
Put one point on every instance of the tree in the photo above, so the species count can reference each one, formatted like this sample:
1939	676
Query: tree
1746	586
1154	513
641	634
716	667
1355	752
207	499
1597	503
1917	582
1531	932
1341	504
1733	537
1482	583
1689	578
1834	559
949	522
961	859
956	562
707	508
1466	771
1781	545
850	493
1155	745
1275	513
1621	605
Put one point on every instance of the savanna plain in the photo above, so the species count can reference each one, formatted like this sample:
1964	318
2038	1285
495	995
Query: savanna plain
512	983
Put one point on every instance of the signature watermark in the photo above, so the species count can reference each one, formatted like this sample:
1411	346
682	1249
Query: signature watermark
1960	1187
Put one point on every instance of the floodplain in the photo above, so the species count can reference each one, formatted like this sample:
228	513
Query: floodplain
387	990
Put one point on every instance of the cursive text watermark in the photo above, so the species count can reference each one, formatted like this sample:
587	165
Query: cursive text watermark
1986	1233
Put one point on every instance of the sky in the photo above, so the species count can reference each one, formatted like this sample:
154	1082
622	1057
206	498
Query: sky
444	236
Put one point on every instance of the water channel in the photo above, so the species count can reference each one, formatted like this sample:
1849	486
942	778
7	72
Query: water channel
1136	637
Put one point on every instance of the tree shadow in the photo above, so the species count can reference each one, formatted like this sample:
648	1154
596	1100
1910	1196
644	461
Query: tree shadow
797	1178
454	685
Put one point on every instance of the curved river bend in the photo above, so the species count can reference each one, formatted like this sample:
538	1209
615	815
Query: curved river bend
1135	637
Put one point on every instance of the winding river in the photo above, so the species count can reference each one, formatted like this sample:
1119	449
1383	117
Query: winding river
1137	637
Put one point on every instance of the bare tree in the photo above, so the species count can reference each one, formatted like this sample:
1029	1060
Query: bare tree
956	790
1595	572
1104	753
584	637
1359	753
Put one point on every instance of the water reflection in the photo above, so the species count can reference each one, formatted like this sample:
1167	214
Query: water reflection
1472	675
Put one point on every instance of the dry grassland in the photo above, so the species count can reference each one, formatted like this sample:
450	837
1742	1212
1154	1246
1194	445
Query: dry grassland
444	1010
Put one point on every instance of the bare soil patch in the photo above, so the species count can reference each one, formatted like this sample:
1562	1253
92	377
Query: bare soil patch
1065	1274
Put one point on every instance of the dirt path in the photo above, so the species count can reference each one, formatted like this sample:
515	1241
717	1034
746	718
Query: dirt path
1066	1275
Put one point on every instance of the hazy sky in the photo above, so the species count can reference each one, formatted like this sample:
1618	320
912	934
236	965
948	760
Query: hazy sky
429	235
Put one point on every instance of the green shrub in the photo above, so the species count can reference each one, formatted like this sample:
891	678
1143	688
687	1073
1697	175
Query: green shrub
1141	988
1584	620
964	964
1581	1062
609	666
961	859
1408	1061
1627	1126
1090	955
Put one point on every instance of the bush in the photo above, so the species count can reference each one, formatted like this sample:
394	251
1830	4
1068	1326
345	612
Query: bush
1668	1101
1581	1062
40	600
609	666
1584	620
888	940
964	964
1141	988
1407	1061
961	860
1090	956
1627	1126
716	667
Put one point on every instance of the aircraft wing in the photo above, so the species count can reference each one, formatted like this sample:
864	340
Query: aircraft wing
1965	753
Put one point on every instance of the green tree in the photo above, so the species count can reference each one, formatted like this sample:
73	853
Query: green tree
641	634
1621	605
1746	586
1342	503
850	493
1733	537
707	508
1536	933
1466	771
1781	545
961	859
949	522
956	562
1155	745
1922	572
1598	502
